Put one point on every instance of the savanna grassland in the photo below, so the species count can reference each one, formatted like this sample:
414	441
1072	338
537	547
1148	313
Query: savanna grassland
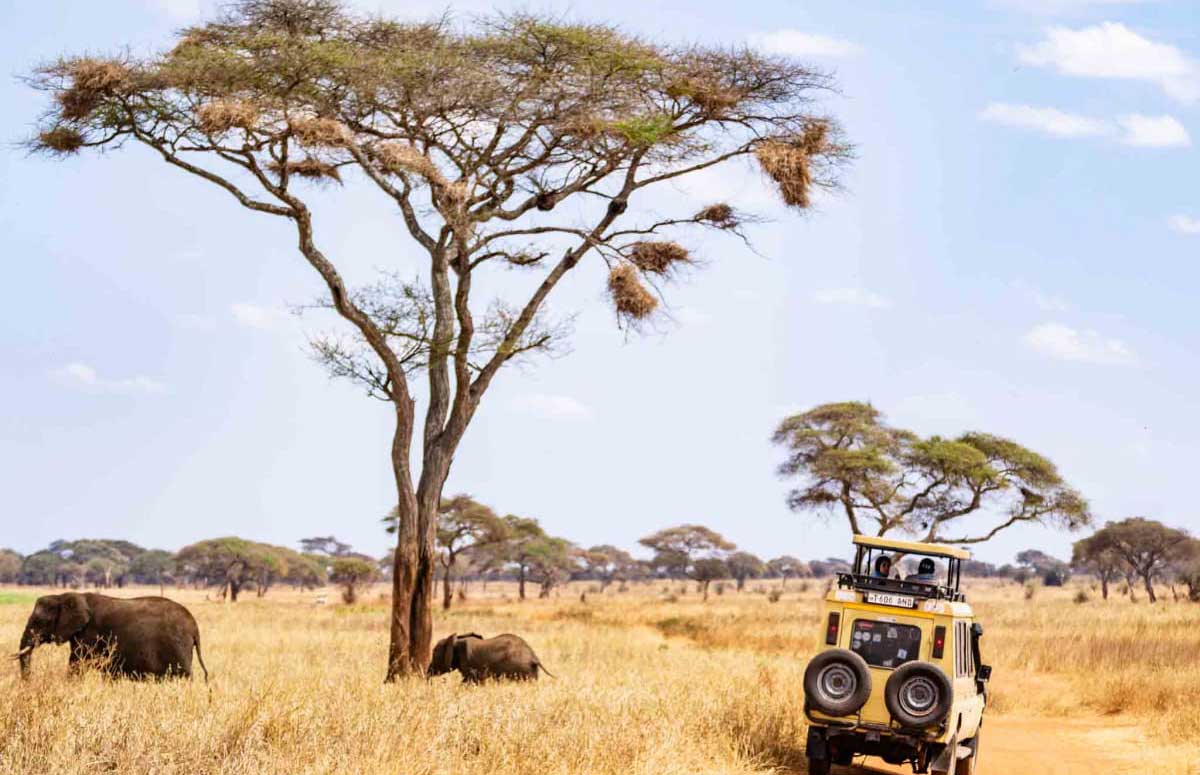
647	682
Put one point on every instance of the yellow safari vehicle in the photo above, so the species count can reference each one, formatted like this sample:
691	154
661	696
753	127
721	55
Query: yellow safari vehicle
900	675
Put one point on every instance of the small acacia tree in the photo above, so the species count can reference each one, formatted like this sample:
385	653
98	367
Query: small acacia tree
351	572
887	479
607	564
786	567
1146	546
695	551
479	137
744	565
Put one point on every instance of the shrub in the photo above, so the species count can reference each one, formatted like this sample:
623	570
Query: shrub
1081	597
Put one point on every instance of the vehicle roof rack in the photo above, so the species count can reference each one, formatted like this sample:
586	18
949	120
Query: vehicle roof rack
913	547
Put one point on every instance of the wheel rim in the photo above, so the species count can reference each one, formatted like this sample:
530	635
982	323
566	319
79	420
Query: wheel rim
919	696
837	681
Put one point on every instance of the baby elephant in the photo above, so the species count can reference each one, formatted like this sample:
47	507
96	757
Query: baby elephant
479	658
140	637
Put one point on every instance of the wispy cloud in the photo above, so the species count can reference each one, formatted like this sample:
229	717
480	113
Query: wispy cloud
1112	50
1184	224
1050	121
855	297
1083	346
553	407
1153	131
256	316
1133	129
803	44
81	375
1046	302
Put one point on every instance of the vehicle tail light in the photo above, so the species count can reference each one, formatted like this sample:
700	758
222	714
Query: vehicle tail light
831	631
939	642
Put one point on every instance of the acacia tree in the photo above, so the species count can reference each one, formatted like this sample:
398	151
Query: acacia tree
10	566
608	563
691	550
744	565
1146	546
786	567
480	137
524	542
887	479
352	571
1093	556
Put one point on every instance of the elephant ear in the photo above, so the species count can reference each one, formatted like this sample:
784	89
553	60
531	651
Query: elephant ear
73	616
461	651
447	654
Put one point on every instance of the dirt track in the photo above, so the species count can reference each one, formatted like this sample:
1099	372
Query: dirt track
1021	745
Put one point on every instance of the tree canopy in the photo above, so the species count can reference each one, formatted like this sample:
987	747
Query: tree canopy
959	491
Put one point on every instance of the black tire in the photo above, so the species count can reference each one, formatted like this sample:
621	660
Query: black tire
837	682
918	694
818	766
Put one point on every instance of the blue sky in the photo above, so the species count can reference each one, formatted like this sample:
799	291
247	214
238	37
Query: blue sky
1015	252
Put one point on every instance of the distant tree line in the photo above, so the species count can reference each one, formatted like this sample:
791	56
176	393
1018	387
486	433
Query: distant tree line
479	546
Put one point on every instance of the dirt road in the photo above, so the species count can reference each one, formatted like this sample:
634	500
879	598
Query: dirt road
1023	745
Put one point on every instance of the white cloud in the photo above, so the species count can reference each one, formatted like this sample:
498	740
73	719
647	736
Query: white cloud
1133	129
1069	344
1049	121
552	407
255	316
1153	131
1112	50
802	44
856	297
84	376
1184	224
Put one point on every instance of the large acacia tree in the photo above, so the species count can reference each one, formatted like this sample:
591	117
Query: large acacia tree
514	142
886	479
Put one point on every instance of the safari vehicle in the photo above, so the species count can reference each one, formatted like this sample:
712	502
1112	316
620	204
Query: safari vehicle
900	675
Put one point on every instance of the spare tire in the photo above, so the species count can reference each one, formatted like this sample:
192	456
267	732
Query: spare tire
837	682
918	694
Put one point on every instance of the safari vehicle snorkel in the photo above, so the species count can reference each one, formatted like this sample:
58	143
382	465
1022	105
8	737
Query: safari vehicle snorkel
899	675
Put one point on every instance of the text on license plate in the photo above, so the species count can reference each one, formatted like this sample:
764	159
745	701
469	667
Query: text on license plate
883	598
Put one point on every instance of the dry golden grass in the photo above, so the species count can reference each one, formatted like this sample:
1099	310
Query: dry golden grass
644	686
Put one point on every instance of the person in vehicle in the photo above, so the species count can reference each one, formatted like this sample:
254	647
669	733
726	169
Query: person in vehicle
926	571
883	567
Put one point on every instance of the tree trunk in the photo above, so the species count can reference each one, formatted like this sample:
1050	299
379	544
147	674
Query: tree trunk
1104	586
521	583
704	588
1149	587
447	591
234	587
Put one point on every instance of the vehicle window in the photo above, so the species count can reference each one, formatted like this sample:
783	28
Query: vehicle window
884	644
958	649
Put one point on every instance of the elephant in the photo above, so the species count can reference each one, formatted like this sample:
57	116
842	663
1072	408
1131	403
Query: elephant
479	658
139	637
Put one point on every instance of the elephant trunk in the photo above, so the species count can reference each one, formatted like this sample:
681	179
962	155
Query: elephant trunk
29	641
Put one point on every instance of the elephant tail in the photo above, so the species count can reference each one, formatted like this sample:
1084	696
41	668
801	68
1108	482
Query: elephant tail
199	656
542	667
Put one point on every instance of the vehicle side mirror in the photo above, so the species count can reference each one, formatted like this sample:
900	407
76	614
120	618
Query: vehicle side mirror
977	630
983	673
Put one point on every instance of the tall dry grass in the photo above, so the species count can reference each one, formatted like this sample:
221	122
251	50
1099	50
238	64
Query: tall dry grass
645	685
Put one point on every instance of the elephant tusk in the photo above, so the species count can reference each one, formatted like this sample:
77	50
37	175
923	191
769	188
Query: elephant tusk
23	652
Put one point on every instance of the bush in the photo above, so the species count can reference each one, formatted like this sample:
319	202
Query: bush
1030	590
1081	597
774	595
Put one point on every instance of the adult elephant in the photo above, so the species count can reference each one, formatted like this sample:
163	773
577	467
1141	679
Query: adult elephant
139	637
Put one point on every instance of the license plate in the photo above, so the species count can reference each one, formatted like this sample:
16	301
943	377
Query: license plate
884	598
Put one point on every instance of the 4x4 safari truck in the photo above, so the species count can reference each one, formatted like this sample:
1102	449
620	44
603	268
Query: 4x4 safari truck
900	675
